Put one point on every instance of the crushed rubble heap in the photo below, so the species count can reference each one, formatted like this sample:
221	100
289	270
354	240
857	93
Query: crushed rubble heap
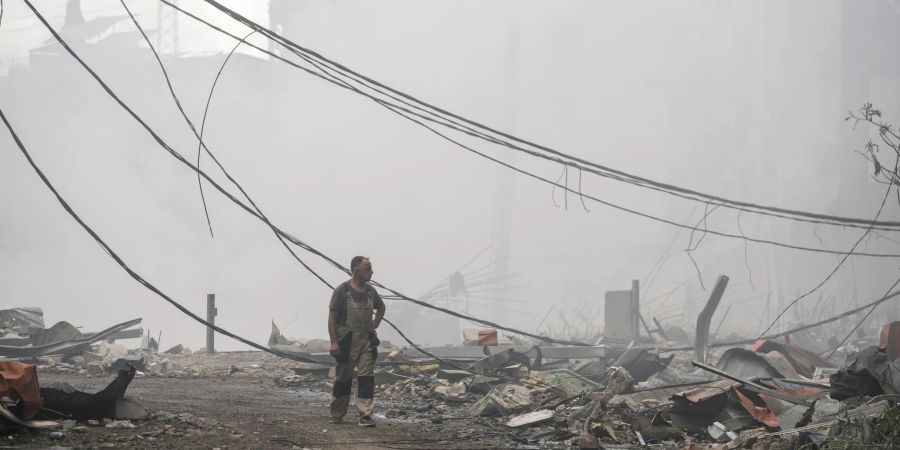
769	394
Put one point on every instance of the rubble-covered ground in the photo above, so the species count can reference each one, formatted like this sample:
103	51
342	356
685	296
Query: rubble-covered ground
210	405
59	391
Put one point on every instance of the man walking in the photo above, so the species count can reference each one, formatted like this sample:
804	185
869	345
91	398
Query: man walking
354	343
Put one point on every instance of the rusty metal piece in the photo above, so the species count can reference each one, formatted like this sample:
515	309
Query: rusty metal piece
701	341
760	413
890	340
755	386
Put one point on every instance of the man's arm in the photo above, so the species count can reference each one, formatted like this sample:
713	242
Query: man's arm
332	323
332	333
379	314
379	309
332	326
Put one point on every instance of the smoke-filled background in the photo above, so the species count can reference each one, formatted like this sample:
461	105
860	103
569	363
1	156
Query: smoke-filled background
744	100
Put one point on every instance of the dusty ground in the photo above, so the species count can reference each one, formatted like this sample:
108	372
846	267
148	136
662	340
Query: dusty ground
248	410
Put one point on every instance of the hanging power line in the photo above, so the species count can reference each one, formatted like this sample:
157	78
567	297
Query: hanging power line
835	318
255	212
858	324
203	122
112	254
480	130
185	116
339	69
403	112
887	194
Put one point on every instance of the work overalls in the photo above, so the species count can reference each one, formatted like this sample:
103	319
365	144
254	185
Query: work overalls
358	348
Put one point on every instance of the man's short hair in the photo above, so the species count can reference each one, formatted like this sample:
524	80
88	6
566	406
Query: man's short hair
356	261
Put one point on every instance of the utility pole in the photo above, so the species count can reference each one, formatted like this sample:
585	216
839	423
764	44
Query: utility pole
636	312
211	313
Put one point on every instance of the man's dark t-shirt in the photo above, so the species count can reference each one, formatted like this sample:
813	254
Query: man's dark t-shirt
339	300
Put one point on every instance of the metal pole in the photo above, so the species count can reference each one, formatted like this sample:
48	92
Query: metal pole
646	328
659	328
701	340
635	310
211	313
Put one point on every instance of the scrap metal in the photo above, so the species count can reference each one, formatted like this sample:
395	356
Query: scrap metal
701	342
62	347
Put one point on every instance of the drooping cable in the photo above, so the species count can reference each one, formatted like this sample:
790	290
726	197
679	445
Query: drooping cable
858	324
402	112
134	275
835	318
572	160
281	233
165	73
887	193
203	122
258	215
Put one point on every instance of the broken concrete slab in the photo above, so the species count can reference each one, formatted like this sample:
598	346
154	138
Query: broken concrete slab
503	400
529	419
453	375
415	369
176	350
451	393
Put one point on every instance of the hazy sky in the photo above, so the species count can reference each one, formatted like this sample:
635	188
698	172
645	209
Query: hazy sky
743	100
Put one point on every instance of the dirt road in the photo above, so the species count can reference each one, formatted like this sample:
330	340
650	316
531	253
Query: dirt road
250	411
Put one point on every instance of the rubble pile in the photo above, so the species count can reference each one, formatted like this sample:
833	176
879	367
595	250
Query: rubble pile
768	395
613	394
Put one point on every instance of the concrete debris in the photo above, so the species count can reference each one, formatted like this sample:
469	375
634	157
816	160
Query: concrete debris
504	400
451	392
120	424
612	393
277	341
294	380
529	419
416	369
176	350
619	382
